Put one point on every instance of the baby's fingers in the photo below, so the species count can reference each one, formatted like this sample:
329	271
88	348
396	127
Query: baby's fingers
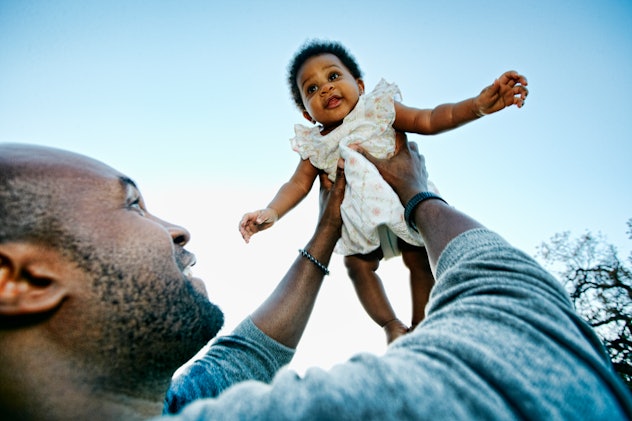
245	234
246	220
520	95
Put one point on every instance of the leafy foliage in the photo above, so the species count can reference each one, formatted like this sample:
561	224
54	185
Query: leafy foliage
600	286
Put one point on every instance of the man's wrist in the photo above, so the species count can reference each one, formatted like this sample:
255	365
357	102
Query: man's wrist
323	267
406	196
416	200
326	236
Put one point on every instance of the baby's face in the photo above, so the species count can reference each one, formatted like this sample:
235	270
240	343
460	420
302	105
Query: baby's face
328	89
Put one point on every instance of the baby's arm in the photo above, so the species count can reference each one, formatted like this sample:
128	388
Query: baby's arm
509	89
288	196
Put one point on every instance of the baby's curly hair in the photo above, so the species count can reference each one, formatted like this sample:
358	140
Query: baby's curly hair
314	48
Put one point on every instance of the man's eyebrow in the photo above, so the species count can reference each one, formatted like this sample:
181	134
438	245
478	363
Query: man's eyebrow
126	182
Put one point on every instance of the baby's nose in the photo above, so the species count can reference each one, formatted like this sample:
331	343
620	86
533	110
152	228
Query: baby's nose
328	87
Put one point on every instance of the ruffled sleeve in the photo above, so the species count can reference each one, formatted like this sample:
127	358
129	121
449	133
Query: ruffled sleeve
322	151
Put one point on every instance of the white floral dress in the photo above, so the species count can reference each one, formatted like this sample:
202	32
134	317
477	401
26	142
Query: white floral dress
372	213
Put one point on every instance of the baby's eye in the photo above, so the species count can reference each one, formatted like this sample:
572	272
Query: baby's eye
333	76
311	89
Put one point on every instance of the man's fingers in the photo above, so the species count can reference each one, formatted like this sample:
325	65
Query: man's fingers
364	153
340	165
400	141
340	182
356	147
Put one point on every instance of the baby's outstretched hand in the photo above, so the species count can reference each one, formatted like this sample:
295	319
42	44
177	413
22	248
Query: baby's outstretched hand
509	89
253	222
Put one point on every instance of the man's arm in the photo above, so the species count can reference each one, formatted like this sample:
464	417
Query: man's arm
249	353
499	323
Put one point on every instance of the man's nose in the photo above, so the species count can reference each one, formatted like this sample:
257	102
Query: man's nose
180	235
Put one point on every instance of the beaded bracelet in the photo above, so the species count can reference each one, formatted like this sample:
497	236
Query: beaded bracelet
414	202
312	259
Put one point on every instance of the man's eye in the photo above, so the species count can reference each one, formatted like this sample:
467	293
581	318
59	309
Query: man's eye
311	89
135	206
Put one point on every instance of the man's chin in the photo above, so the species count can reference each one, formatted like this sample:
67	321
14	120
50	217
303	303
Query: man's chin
199	286
214	320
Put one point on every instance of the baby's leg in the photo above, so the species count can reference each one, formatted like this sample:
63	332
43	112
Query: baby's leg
421	279
368	286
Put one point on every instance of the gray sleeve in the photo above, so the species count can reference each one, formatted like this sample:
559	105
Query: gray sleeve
514	332
246	354
500	341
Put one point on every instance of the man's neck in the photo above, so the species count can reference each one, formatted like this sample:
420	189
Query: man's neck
67	404
63	390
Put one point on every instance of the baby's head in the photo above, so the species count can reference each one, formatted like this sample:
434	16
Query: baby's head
315	48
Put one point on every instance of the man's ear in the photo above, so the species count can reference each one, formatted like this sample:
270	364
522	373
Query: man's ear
308	117
31	279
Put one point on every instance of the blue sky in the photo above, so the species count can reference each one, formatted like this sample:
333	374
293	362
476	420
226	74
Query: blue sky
189	98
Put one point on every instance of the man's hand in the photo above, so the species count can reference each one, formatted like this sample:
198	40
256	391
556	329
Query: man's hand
332	199
405	171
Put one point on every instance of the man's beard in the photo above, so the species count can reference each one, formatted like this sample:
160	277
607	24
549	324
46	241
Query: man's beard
154	325
210	316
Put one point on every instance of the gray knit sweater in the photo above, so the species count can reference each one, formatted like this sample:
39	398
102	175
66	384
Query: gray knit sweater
500	341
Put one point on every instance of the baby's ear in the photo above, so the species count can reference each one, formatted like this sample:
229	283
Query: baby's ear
360	83
31	280
308	117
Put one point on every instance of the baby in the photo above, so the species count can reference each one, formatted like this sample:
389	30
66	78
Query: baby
327	86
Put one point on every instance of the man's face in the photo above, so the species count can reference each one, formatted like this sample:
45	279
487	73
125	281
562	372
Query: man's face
141	307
